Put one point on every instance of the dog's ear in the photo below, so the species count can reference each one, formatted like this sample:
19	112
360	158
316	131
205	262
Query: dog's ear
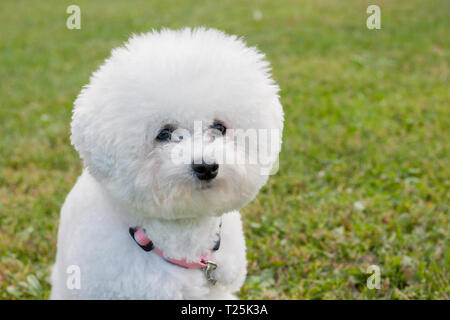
77	127
89	137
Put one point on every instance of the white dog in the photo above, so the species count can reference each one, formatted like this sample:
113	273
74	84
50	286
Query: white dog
142	221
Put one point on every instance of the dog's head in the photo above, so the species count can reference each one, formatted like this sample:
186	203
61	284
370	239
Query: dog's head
180	123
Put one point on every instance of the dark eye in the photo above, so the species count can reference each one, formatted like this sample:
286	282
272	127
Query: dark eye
220	127
164	135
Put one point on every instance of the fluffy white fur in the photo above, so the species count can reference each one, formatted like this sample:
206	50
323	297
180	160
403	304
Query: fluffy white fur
159	78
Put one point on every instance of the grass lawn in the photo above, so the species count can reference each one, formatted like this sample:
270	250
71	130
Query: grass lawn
364	173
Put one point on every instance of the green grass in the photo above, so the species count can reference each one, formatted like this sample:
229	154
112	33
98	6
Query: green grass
364	172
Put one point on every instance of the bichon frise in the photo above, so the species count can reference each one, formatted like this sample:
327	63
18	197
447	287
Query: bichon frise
154	213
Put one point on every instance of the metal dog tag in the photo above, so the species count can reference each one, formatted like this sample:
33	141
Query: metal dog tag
209	271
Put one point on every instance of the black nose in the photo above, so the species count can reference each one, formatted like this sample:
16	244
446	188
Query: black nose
205	171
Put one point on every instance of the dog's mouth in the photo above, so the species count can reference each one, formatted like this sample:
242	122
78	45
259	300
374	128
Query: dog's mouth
204	186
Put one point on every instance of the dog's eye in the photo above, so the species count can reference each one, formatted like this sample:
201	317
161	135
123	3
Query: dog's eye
220	127
164	135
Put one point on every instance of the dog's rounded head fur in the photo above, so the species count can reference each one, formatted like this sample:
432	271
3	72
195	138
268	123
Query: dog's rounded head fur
174	81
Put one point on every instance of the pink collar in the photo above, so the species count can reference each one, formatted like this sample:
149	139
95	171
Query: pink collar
141	238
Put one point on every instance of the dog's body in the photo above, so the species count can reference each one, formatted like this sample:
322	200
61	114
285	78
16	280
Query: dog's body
112	265
125	128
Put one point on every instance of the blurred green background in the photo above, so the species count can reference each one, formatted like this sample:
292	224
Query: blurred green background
364	172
